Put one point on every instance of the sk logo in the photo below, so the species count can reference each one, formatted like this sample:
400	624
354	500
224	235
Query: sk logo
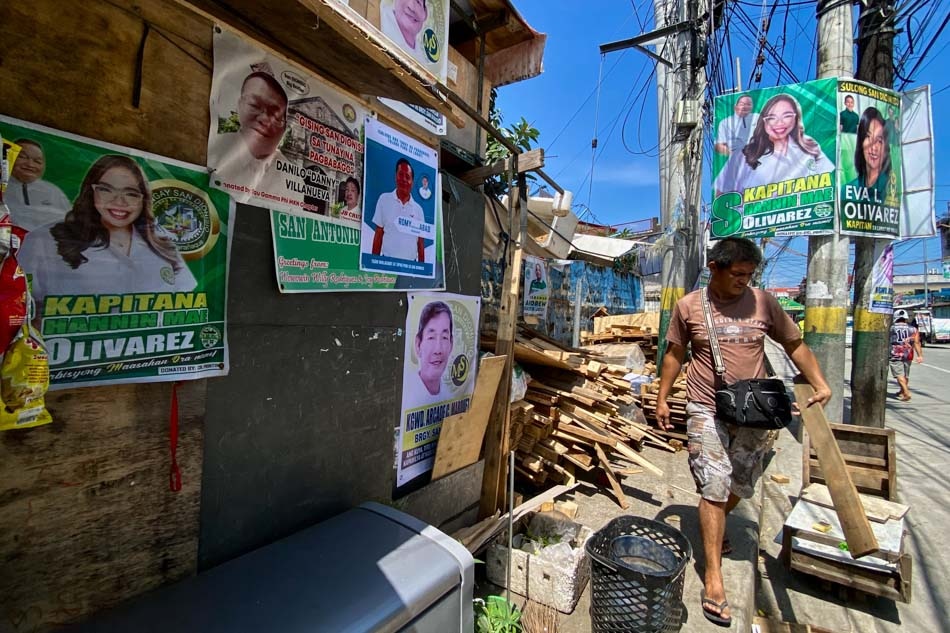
431	44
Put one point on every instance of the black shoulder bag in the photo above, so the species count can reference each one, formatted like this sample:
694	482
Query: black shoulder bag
759	403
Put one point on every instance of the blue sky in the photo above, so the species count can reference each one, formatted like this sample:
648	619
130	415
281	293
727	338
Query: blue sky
563	104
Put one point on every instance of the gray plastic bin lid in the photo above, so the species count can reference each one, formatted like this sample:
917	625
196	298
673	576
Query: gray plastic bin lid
367	569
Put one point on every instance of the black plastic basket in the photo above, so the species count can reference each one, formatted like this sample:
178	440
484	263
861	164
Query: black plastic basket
625	600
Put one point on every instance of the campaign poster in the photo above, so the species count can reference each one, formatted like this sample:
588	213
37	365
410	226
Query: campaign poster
280	138
774	161
535	287
313	254
401	228
127	257
438	375
421	29
882	282
869	166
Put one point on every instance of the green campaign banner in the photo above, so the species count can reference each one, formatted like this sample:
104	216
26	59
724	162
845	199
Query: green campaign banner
313	254
127	256
774	161
869	164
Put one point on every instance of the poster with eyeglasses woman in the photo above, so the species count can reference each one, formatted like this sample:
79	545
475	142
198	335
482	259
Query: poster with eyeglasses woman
129	277
778	178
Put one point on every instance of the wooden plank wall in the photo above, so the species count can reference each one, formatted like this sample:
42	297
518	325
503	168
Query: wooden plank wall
86	517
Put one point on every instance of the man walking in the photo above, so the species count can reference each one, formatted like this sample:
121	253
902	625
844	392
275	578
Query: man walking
905	347
726	460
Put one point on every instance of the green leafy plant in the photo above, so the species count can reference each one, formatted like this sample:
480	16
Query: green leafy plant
496	615
521	134
542	540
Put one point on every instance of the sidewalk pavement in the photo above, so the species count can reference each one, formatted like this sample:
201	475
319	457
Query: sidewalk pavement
756	581
923	443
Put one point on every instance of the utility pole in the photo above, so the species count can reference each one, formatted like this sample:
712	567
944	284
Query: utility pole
870	341
826	296
681	33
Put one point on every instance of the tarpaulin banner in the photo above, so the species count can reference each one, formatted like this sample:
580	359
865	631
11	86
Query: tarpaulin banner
882	280
535	287
438	375
281	138
127	254
869	166
421	29
774	161
402	227
313	254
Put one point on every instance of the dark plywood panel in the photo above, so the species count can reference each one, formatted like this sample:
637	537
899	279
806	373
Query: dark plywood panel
304	425
86	516
80	75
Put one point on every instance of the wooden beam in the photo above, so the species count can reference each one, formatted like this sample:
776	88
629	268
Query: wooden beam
497	438
854	521
527	161
614	484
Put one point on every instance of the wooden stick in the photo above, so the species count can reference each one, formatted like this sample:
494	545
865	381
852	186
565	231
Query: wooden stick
611	477
854	521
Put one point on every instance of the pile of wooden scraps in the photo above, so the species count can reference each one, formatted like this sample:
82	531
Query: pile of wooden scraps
577	413
569	424
641	328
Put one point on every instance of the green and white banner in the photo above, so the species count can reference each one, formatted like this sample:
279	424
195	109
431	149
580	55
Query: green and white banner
869	164
774	161
314	254
127	254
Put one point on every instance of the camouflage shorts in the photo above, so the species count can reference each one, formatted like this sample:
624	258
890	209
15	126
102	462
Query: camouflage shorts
723	458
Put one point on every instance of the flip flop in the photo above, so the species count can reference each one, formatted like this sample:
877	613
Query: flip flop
715	618
904	398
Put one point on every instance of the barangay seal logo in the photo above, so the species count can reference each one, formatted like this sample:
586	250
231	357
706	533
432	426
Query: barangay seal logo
186	214
209	336
823	210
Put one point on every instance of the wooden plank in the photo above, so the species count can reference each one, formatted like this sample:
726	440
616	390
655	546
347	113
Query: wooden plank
611	477
635	457
585	434
580	459
88	520
854	523
867	480
460	441
498	434
527	161
877	509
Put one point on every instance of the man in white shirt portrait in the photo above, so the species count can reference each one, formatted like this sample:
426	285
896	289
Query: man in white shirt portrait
390	238
734	131
33	201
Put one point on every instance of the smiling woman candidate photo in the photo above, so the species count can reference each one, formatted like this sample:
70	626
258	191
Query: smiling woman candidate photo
108	243
778	150
872	154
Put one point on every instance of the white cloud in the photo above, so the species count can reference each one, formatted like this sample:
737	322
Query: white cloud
633	174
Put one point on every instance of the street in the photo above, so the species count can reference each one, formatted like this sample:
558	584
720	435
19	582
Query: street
922	428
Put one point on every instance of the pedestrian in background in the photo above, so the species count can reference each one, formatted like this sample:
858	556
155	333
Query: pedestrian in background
905	347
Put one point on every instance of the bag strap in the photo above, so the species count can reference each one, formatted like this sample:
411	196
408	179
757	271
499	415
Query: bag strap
718	364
